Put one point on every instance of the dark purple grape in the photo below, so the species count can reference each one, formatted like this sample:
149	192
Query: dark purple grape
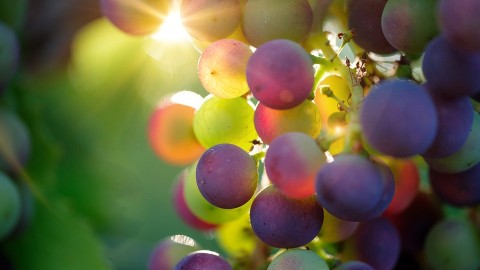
353	265
9	54
375	242
203	259
450	70
353	188
459	189
280	74
284	222
170	251
455	120
365	17
227	176
459	21
398	118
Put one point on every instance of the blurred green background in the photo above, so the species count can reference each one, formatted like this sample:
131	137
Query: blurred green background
86	91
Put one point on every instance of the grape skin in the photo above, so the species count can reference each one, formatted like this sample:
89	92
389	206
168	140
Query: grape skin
227	176
398	118
203	259
298	259
10	206
15	142
284	222
170	251
280	74
354	265
9	54
458	20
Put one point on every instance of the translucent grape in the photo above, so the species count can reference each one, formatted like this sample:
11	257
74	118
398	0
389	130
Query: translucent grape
449	70
398	118
10	206
407	182
210	20
15	146
221	120
335	229
292	162
298	259
237	237
267	20
319	10
271	123
285	222
280	74
328	105
9	54
227	176
453	244
408	25
365	17
222	68
458	20
170	129
170	251
136	17
203	259
204	210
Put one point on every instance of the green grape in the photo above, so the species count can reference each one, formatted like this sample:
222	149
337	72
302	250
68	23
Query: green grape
205	210
9	206
237	237
298	259
225	121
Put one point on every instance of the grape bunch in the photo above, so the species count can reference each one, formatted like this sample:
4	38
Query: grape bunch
337	134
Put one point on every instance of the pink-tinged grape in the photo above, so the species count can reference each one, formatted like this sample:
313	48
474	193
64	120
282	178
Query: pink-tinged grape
15	144
353	188
415	222
222	68
285	222
181	207
407	182
227	176
280	74
271	123
459	21
170	129
354	265
365	17
292	162
9	54
459	189
203	259
453	243
204	210
455	121
298	259
221	120
408	25
136	17
10	206
170	251
465	158
451	71
335	230
398	118
210	20
237	237
375	242
267	20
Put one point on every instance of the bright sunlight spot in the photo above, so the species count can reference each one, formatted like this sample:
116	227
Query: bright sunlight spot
172	29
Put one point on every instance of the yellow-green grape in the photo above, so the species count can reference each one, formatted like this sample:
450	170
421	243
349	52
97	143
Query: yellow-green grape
328	105
205	210
335	229
237	237
221	120
298	259
222	68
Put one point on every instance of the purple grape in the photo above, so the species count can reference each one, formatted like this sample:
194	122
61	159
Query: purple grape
292	162
227	176
459	189
365	17
280	74
9	54
375	242
284	222
449	70
353	188
170	251
459	21
455	120
353	265
203	259
398	118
